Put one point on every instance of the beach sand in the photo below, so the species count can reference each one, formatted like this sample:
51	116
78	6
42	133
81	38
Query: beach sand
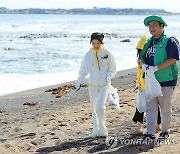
61	125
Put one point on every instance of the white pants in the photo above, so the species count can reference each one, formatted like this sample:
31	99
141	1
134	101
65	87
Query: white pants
98	97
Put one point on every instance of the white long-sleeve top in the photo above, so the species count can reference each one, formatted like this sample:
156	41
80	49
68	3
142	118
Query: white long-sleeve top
97	75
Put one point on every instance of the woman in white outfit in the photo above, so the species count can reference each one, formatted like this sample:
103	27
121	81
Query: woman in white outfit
100	65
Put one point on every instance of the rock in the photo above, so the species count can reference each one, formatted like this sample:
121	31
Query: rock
52	133
125	40
55	138
45	124
34	142
31	104
8	49
1	111
4	122
37	142
62	124
17	129
3	140
28	135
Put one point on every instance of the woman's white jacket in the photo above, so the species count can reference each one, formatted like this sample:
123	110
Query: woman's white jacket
97	74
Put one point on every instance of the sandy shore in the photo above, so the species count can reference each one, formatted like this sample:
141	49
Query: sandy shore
60	125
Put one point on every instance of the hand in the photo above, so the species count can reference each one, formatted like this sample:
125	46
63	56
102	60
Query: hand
148	68
137	86
144	67
108	79
78	87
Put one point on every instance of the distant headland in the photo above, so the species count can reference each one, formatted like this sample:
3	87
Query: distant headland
82	11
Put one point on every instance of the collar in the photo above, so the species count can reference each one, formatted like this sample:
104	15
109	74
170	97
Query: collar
97	50
158	39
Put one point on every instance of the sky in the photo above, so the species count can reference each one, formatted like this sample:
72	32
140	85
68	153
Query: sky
171	6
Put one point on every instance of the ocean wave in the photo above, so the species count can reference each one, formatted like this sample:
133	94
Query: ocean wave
73	36
26	82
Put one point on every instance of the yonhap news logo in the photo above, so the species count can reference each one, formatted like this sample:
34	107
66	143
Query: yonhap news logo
113	141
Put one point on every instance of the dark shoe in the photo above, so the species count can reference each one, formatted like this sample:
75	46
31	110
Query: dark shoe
163	135
148	137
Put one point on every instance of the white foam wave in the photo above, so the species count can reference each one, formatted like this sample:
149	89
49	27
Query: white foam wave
12	83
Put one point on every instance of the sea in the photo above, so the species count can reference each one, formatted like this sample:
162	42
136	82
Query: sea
39	50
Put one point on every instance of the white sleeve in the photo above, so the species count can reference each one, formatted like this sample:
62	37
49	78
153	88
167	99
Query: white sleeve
111	67
84	71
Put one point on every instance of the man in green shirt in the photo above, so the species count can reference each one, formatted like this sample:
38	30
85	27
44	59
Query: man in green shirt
160	55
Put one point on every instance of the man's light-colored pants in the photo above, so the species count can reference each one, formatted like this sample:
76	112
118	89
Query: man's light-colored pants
98	97
165	111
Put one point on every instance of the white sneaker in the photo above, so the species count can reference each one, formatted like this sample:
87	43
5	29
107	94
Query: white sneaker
93	135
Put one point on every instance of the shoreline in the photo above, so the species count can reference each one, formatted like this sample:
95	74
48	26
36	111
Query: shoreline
61	125
119	73
53	85
16	100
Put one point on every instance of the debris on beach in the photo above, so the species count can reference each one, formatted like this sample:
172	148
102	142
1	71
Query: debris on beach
28	135
1	111
31	104
62	90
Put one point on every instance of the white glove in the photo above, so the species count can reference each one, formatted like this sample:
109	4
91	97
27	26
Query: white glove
78	87
137	86
147	68
108	79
